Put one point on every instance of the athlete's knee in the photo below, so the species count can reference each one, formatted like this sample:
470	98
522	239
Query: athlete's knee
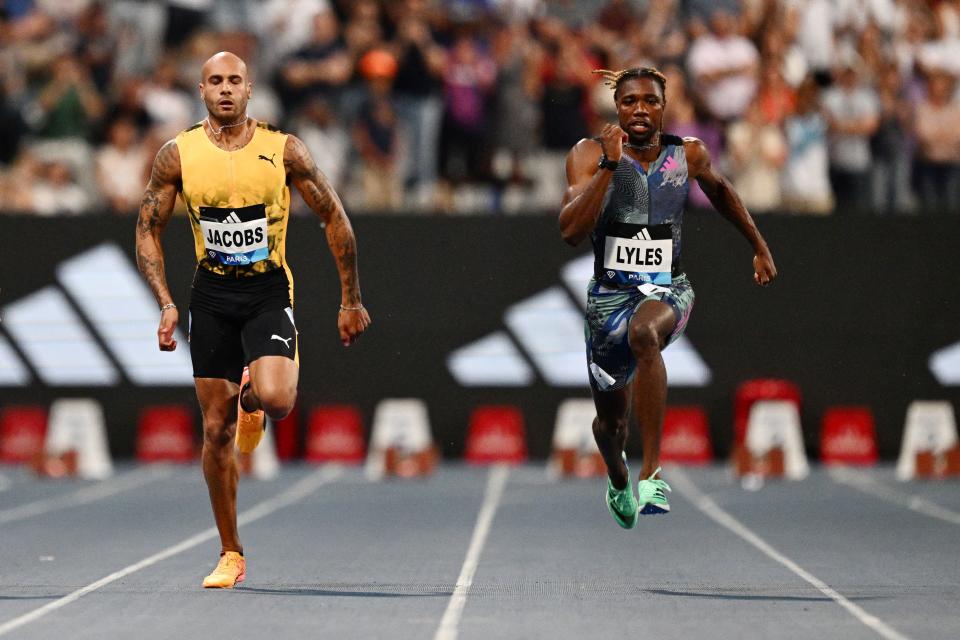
607	427
218	435
645	340
277	399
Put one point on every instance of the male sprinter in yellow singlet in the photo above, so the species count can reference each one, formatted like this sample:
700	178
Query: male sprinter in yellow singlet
232	172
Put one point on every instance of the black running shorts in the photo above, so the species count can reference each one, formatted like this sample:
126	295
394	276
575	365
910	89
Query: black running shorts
234	321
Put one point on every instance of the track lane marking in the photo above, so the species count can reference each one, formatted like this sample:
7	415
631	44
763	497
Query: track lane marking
86	495
302	489
868	485
704	503
496	481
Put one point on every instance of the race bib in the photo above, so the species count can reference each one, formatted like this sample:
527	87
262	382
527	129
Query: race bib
235	236
639	255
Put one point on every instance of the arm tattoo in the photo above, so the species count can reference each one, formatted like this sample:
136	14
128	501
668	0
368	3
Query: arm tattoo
323	200
155	211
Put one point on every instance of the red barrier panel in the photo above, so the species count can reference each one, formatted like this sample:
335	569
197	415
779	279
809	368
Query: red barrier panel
166	434
496	434
22	431
335	434
686	437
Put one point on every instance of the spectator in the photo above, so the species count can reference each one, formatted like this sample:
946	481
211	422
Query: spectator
128	103
167	103
853	115
320	68
327	140
775	97
96	47
375	134
815	37
69	103
805	180
516	127
468	80
121	167
284	26
892	146
682	119
756	150
723	66
11	129
54	191
418	95
567	85
938	145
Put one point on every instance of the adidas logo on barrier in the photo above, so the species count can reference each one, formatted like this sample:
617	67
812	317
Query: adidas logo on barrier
496	434
686	436
549	328
335	434
848	436
114	331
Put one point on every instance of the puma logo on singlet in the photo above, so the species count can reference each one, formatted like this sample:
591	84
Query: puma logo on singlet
285	341
270	160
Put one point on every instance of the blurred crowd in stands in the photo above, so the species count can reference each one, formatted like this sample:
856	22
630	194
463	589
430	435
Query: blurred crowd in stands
808	106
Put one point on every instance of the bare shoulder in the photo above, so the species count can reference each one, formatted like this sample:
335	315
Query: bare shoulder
582	160
296	157
698	156
586	148
166	166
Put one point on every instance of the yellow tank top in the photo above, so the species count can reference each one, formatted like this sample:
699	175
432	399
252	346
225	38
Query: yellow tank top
238	202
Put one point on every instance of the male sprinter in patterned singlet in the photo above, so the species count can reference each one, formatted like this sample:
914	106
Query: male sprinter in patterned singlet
626	191
233	174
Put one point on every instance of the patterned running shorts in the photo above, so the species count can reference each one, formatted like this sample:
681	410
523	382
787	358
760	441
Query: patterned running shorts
609	358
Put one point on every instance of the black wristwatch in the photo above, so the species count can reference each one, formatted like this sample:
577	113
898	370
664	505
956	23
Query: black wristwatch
606	163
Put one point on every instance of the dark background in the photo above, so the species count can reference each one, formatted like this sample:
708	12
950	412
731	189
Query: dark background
859	306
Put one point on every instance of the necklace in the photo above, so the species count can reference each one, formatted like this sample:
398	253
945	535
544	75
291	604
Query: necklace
653	144
217	132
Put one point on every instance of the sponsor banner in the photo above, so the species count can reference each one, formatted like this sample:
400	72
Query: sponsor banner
513	335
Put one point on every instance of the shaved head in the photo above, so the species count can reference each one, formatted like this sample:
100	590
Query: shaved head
225	87
217	60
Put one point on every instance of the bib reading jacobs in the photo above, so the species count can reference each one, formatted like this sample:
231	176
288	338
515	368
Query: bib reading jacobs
235	236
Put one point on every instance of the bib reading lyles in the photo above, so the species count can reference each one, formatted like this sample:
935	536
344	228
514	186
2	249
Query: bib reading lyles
636	254
235	236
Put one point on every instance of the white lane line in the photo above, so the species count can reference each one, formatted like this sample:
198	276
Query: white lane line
295	493
86	495
680	481
870	486
496	481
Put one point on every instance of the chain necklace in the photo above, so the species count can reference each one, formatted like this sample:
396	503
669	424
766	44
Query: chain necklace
217	132
653	144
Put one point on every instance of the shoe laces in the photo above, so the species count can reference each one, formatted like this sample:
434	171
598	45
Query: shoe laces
620	497
659	484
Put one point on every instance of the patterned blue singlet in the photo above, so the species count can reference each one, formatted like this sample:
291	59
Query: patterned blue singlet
636	246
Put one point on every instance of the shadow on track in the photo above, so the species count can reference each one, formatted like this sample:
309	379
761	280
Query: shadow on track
748	596
353	591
